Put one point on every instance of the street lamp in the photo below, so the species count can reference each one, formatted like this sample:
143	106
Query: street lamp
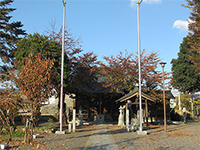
139	66
165	122
62	67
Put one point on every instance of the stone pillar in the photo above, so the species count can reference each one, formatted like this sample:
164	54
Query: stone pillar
127	119
74	120
70	127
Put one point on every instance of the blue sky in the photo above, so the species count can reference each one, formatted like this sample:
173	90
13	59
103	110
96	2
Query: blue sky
107	27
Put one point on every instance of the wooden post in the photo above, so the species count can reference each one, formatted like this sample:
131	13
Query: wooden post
31	130
26	130
123	113
146	104
29	135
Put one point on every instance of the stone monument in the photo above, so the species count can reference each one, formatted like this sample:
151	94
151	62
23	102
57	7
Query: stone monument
80	118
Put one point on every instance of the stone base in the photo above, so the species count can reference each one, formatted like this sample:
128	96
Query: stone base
86	124
60	132
141	132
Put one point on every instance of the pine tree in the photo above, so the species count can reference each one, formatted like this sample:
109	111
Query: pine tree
10	32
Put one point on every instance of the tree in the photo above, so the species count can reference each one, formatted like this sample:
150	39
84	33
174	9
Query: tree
10	103
82	75
81	71
10	32
37	43
185	101
40	44
185	77
197	104
194	35
80	64
122	71
34	82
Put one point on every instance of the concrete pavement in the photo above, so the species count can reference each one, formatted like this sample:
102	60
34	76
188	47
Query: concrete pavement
101	138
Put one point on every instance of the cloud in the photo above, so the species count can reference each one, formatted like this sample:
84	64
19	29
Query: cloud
133	2
182	25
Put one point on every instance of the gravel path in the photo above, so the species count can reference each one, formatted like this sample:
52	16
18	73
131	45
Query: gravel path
178	137
108	137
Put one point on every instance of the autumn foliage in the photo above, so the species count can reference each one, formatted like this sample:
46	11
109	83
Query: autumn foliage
122	71
34	82
194	28
10	103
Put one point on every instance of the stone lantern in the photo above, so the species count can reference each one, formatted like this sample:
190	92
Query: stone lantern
121	117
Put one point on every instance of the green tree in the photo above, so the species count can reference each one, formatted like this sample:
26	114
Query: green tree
37	43
185	77
194	34
10	32
185	101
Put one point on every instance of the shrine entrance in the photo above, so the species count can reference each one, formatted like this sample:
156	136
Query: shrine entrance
130	102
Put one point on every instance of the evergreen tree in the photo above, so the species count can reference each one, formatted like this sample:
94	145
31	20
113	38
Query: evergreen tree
10	32
185	76
194	35
37	43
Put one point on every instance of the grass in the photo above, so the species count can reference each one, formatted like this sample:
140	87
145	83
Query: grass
5	135
44	127
19	133
14	134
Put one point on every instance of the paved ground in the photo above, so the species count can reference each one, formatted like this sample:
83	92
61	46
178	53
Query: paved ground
112	137
101	138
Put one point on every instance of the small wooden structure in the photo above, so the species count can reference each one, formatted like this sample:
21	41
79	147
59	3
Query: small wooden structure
135	93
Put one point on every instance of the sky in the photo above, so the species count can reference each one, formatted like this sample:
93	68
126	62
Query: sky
107	27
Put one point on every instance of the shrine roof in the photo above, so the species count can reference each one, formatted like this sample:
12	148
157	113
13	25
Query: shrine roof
133	93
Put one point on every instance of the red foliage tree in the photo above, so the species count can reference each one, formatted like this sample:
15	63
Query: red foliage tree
122	71
34	82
